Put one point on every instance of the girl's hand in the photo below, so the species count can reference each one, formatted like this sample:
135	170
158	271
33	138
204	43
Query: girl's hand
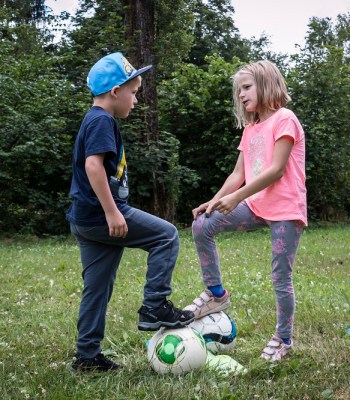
196	212
206	208
226	204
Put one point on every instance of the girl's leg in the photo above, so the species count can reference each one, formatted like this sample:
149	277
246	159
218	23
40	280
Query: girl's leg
285	238
204	230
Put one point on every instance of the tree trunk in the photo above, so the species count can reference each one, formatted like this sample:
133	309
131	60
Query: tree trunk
140	35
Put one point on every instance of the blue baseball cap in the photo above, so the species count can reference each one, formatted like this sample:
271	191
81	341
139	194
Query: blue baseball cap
112	70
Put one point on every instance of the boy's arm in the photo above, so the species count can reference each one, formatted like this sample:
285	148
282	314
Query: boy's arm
99	183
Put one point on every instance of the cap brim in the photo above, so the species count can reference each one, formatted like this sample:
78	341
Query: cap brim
139	72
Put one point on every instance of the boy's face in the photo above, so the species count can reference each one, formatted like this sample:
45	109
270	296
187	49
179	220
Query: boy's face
125	97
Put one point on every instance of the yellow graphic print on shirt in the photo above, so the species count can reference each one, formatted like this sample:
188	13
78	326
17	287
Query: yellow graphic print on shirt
121	165
120	186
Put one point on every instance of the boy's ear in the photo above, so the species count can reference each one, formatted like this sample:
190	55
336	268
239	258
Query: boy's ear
114	90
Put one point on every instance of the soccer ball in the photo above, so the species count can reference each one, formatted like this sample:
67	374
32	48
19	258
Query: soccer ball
218	330
176	350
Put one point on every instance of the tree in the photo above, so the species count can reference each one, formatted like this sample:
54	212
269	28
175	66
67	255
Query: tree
201	117
24	11
161	34
99	29
34	147
215	32
320	85
115	26
144	22
140	30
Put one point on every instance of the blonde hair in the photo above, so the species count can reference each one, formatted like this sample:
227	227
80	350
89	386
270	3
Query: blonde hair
271	88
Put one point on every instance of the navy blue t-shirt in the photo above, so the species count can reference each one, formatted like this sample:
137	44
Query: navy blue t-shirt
99	133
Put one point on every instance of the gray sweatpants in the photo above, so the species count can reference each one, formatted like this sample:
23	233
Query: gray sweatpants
101	255
285	236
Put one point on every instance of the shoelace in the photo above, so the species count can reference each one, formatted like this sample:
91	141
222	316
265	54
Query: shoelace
105	360
176	311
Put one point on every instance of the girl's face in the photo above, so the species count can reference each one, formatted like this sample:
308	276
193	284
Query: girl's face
247	93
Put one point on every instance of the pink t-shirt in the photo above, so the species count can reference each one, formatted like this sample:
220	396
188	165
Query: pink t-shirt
285	199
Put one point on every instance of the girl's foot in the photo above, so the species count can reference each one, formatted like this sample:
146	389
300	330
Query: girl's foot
207	304
276	349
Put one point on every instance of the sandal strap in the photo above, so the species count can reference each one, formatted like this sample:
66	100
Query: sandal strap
202	299
275	349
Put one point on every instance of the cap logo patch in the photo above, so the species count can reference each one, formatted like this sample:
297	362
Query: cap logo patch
128	68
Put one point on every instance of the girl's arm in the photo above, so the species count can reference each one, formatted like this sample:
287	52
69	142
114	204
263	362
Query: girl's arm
275	171
232	183
99	183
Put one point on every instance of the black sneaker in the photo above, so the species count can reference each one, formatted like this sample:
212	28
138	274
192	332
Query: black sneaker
166	315
97	363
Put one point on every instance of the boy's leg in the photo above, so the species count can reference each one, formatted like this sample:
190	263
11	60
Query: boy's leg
160	239
100	263
152	234
285	238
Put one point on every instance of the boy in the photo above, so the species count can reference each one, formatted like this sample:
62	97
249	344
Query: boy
104	224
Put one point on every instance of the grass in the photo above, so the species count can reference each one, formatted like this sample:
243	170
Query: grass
40	293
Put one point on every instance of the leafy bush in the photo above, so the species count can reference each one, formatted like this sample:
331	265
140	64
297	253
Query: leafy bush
196	106
320	84
35	146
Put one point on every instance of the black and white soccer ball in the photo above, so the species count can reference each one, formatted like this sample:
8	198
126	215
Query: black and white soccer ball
218	330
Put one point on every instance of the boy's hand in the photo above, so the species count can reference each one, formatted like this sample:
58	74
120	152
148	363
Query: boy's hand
117	225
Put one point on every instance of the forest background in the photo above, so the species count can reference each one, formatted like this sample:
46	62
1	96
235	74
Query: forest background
181	141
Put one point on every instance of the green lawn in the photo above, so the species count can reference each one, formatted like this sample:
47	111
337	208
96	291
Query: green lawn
40	293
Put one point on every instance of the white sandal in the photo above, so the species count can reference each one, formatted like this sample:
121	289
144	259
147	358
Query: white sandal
207	304
276	349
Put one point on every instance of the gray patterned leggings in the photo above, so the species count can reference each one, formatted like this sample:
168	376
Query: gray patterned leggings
285	238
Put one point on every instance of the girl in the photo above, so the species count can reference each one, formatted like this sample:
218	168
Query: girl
271	163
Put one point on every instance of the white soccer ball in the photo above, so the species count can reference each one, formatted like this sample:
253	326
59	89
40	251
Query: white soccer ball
218	330
176	351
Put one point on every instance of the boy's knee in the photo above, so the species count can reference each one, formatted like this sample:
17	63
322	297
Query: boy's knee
171	232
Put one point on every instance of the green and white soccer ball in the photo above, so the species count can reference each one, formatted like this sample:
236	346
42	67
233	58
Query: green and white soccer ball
176	351
218	330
